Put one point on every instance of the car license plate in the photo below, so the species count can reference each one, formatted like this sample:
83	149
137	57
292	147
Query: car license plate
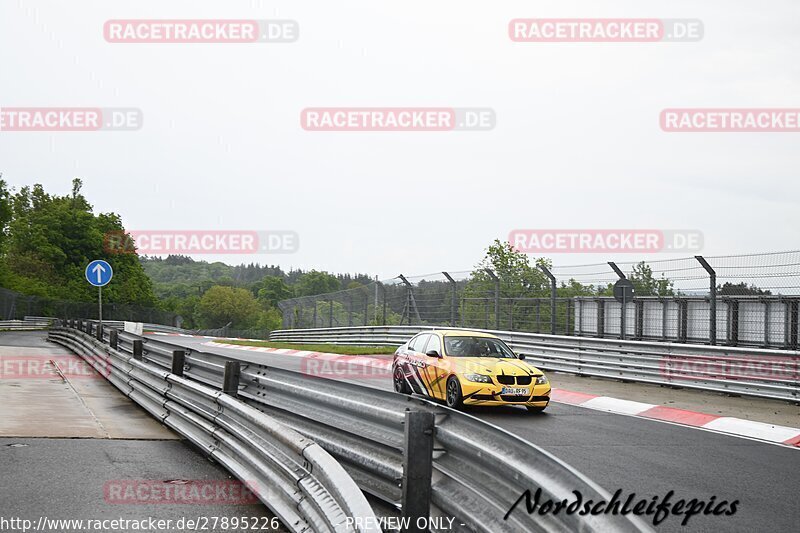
515	391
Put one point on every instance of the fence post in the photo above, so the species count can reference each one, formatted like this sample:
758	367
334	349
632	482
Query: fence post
793	325
384	303
315	313
552	298
366	307
230	379
349	309
623	311
601	318
410	300
712	330
453	297
417	470
496	297
733	322
330	315
138	350
683	320
178	360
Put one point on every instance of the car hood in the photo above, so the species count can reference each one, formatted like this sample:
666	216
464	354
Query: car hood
493	366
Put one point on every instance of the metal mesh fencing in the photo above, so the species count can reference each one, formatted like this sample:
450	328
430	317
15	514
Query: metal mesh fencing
748	300
16	306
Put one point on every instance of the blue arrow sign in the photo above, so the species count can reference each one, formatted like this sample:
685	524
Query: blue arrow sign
99	273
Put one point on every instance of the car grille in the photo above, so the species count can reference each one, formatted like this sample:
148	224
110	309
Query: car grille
515	398
509	380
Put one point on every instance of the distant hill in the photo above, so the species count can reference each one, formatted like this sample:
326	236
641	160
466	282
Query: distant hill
179	275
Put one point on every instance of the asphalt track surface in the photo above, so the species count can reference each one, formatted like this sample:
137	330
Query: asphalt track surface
71	478
645	457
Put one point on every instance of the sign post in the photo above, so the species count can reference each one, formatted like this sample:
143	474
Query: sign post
99	273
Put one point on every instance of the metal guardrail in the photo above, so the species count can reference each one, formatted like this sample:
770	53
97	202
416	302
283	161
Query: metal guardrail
478	471
29	323
762	373
305	487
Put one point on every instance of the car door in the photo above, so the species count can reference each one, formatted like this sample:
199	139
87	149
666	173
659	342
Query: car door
436	371
414	367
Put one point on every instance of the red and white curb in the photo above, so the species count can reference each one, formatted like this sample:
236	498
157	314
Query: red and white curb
722	424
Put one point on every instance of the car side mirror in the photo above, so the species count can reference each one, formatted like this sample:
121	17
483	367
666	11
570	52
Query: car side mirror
432	353
521	356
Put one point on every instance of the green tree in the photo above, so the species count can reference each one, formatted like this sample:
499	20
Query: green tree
273	289
741	289
221	305
315	282
519	278
50	239
646	284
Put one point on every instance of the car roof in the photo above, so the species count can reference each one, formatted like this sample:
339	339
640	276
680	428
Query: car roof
462	333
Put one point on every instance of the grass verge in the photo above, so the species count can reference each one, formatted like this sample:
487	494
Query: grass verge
342	349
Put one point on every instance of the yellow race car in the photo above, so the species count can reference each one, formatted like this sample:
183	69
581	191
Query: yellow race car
468	368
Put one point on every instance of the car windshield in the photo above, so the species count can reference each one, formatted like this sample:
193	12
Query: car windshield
476	347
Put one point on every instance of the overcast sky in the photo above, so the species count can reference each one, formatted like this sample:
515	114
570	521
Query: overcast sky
577	142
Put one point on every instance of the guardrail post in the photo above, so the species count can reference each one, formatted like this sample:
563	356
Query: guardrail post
453	298
712	331
417	470
178	360
138	350
230	380
99	332
552	297
113	338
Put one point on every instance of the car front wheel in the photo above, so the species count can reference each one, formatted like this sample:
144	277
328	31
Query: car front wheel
454	398
535	409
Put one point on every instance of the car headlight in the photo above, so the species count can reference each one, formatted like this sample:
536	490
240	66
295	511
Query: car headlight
541	380
478	378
